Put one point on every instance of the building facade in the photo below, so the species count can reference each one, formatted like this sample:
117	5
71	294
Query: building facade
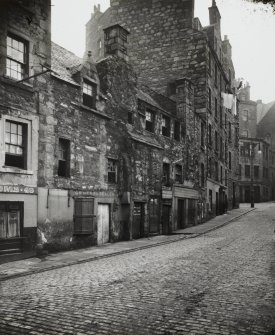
130	141
256	152
25	40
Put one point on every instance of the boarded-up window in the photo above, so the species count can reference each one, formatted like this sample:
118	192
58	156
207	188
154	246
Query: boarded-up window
84	216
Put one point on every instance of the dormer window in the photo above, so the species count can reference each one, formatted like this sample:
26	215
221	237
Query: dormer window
89	94
149	121
17	58
165	126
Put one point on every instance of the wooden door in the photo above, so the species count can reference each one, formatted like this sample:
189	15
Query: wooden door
10	220
166	219
154	215
103	224
137	228
181	214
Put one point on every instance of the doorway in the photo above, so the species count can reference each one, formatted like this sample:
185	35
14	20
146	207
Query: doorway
103	224
138	220
181	213
11	219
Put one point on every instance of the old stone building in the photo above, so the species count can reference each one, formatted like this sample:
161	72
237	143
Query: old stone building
25	39
257	155
165	43
130	141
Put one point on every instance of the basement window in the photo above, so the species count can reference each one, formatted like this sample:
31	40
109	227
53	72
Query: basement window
89	94
16	145
64	158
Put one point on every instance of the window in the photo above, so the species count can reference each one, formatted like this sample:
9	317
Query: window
256	171
221	174
202	175
221	148
177	131
245	115
236	137
210	168
83	215
220	116
210	135
64	158
216	142
210	200
166	174
149	121
17	58
247	171
209	99
165	126
230	132
245	133
15	145
230	160
112	171
130	117
89	94
216	109
225	121
225	177
178	173
202	134
240	170
216	171
216	75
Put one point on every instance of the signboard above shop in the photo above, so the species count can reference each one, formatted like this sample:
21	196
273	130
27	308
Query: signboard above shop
18	189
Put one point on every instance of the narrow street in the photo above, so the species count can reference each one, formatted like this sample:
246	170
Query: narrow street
220	283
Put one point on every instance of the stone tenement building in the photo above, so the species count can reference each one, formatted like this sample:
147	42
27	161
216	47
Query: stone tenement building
97	152
25	51
165	43
257	150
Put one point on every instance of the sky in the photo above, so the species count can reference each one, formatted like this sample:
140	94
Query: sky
250	28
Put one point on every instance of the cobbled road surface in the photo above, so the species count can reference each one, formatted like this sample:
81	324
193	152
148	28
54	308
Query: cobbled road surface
219	283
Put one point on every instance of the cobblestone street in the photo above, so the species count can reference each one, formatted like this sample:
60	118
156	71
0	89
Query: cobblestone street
218	283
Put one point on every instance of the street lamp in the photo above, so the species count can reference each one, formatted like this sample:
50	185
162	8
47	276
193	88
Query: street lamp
252	147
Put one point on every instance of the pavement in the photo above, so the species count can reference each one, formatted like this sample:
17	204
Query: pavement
63	259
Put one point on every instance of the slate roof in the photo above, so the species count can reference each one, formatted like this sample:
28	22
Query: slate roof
64	63
143	138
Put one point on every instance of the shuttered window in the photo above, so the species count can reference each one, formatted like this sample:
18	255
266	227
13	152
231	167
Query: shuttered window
84	216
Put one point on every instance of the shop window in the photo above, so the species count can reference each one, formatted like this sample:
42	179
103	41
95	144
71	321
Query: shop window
89	94
177	130
165	126
178	174
149	120
11	219
112	171
84	215
15	145
17	58
166	174
64	158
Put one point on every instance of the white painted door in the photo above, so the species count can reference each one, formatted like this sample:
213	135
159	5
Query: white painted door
103	224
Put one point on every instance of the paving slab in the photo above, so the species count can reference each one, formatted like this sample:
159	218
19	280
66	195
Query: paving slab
57	260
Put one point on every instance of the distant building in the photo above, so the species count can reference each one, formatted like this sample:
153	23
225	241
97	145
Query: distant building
257	157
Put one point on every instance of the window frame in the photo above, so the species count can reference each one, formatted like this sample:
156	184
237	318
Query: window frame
165	125
64	162
150	124
112	169
89	100
24	64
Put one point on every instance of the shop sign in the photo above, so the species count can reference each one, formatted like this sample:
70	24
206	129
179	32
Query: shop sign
18	189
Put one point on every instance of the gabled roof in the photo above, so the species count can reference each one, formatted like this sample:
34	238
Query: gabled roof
64	63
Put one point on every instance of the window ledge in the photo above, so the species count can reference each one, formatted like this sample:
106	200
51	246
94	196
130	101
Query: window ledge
6	169
24	85
95	111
